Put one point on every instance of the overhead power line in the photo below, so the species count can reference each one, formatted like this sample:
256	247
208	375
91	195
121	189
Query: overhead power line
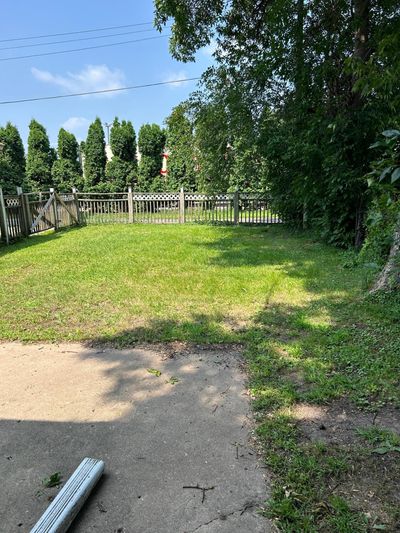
128	88
74	32
13	58
75	40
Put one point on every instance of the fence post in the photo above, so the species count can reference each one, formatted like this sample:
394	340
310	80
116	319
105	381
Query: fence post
76	200
236	207
28	213
25	219
54	209
3	219
181	206
130	205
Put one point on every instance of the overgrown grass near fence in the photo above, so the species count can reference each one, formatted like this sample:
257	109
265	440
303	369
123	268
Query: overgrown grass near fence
311	338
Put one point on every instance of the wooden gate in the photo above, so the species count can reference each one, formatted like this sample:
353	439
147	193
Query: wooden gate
22	215
55	211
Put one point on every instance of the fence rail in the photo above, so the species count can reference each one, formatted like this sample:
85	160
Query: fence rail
27	213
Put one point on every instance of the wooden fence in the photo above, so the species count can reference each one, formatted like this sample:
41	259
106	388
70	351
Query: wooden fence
175	208
26	213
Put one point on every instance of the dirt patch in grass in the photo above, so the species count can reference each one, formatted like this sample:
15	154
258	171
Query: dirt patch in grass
169	350
339	422
388	417
178	348
373	487
370	442
336	423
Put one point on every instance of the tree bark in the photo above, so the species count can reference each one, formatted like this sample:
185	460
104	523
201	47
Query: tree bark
361	44
299	53
389	278
361	54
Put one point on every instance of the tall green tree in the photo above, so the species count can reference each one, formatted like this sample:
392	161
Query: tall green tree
151	143
180	145
213	158
66	170
95	157
319	80
40	158
12	159
121	171
225	136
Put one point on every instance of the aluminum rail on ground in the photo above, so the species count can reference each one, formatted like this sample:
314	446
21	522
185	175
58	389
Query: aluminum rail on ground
59	515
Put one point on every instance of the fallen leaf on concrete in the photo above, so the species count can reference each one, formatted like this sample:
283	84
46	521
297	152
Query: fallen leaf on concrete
53	481
154	371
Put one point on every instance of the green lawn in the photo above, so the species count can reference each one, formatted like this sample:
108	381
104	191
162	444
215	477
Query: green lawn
311	335
141	282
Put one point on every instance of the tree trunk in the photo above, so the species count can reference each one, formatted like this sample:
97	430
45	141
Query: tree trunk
299	54
389	278
361	44
359	227
361	53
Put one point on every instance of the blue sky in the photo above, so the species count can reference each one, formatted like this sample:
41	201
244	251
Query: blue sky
129	64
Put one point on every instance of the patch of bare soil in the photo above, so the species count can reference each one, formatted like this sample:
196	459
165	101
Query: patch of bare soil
174	349
373	487
372	484
336	423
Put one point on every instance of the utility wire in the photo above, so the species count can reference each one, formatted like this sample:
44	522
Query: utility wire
74	32
82	49
75	40
128	88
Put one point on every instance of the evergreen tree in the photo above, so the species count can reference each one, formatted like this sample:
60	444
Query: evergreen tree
151	144
95	157
66	171
40	158
12	159
122	169
180	144
81	153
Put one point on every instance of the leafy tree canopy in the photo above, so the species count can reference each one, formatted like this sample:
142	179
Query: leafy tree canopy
66	170
12	159
95	156
299	91
40	157
151	143
121	171
123	140
180	145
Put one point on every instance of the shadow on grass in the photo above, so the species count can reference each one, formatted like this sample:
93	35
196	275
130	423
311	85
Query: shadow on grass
34	240
200	328
312	262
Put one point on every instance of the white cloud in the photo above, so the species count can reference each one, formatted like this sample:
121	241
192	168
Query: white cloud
181	75
91	78
76	123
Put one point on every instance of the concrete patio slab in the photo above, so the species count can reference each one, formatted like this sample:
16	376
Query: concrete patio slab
189	426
